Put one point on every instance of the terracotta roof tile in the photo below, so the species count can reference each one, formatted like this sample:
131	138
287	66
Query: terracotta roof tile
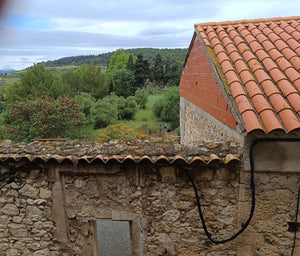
75	152
253	122
260	61
237	89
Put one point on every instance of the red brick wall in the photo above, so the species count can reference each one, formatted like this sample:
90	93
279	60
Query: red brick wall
199	85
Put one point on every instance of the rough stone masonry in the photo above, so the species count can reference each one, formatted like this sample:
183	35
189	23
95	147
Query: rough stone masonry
55	210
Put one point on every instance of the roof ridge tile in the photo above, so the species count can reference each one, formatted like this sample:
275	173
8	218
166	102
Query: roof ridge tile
245	21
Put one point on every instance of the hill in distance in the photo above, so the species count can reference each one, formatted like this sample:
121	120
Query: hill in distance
6	71
177	54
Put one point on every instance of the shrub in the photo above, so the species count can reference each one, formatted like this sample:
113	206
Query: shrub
43	118
105	112
118	131
141	98
126	108
167	108
85	101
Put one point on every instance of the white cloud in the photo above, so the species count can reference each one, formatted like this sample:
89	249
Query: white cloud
74	27
125	28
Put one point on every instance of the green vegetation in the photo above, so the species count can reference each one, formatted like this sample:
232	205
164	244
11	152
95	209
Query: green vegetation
167	108
43	118
72	101
118	131
104	58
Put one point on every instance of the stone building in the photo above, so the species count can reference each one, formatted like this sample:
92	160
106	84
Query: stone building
241	81
55	195
241	78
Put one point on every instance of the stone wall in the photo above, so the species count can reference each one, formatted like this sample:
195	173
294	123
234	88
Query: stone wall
26	222
160	204
276	203
55	211
197	125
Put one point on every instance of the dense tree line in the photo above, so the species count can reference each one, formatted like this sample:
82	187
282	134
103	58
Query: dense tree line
44	103
103	59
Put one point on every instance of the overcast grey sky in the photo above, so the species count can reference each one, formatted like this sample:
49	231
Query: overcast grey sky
32	31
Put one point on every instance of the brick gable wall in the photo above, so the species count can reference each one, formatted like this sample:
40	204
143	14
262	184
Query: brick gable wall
199	86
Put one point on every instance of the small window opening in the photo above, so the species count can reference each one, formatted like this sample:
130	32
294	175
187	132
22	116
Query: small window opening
293	226
113	238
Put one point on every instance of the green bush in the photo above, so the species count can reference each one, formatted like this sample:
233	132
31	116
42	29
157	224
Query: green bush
141	98
85	101
118	131
105	112
43	118
167	107
126	108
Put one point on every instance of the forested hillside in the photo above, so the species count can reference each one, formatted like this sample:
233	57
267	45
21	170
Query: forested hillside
103	59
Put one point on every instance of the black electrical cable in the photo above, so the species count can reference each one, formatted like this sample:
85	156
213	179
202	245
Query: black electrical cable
244	225
252	184
296	220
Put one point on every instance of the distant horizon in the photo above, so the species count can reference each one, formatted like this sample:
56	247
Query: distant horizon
2	71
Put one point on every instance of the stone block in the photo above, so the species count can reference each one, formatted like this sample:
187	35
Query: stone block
12	252
10	209
44	252
17	230
29	191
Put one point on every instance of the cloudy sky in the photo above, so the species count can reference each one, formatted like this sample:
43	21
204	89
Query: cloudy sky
32	31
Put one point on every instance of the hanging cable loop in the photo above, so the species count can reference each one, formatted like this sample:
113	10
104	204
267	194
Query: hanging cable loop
244	225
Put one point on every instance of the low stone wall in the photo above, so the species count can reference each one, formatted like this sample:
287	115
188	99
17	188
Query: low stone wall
197	125
27	225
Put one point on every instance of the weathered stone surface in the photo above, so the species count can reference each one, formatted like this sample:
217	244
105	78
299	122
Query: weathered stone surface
29	191
166	245
159	204
33	211
44	252
17	230
197	125
10	209
171	215
3	233
45	193
12	252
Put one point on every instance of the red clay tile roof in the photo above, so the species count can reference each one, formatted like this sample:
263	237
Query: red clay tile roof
258	62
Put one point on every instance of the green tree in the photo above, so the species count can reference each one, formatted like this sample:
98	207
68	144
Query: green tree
158	70
168	73
71	79
85	101
167	108
33	83
105	111
141	71
174	74
130	64
93	81
141	97
43	117
126	108
123	82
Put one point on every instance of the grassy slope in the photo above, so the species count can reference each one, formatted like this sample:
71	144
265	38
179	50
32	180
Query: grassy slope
145	116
